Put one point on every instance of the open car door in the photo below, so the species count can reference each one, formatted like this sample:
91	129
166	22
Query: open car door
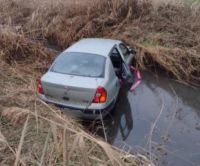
122	68
127	75
127	55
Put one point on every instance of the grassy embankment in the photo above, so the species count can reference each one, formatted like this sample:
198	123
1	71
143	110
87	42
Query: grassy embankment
165	36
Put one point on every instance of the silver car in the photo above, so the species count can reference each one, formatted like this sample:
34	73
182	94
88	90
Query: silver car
86	77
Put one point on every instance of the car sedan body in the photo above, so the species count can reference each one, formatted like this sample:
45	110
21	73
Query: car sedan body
86	77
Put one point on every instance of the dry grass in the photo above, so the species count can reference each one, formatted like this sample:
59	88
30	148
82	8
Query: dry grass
166	36
54	139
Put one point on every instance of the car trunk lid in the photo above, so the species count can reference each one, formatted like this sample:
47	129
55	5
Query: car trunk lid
74	91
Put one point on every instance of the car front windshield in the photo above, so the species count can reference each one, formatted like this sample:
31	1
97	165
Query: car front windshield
80	64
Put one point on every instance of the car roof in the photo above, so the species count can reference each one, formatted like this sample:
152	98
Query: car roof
98	46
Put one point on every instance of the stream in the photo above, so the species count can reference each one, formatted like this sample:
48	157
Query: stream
161	120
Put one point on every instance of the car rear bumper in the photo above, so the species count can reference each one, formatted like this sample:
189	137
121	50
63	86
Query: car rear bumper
89	113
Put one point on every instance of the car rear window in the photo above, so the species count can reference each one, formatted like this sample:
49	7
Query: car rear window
81	64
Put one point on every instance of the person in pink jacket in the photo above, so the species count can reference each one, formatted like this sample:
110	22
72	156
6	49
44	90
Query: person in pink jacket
138	78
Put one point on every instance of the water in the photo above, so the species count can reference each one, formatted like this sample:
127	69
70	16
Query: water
161	120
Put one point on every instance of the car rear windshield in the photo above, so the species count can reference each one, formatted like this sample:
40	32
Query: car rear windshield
80	64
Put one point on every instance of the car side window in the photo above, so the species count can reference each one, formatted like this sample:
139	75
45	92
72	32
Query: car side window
124	50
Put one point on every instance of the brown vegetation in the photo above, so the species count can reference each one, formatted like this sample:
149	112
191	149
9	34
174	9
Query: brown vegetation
165	36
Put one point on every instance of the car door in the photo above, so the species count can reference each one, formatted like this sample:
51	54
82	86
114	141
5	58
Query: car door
126	53
127	59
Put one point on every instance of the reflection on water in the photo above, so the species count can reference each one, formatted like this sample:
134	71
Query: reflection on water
173	138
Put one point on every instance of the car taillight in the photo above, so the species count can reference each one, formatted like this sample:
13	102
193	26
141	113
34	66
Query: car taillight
39	87
100	95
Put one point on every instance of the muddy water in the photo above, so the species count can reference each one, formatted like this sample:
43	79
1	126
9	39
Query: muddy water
161	119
